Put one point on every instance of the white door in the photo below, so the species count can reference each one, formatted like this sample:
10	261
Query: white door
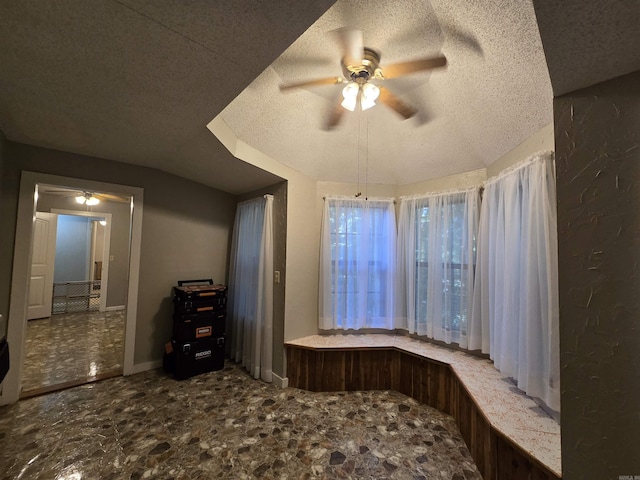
42	263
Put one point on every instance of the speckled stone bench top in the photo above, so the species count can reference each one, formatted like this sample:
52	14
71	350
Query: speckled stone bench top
508	410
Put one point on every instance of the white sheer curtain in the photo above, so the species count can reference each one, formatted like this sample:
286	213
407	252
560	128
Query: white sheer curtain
436	259
357	264
515	314
251	287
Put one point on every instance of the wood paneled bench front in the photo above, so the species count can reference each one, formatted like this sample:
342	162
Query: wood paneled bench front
509	436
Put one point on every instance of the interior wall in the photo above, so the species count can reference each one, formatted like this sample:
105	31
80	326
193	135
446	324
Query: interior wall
185	231
325	189
97	248
3	147
450	182
73	249
120	239
303	250
280	198
598	172
4	301
351	189
541	141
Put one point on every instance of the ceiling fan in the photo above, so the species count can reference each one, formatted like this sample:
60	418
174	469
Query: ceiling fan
87	198
362	71
82	197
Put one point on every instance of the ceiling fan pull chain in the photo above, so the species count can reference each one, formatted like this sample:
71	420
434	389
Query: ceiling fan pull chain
366	163
358	155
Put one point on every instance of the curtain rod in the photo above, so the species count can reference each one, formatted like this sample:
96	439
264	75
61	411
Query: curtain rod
348	198
256	199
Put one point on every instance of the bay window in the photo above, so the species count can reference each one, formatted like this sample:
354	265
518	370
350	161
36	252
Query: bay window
436	260
357	263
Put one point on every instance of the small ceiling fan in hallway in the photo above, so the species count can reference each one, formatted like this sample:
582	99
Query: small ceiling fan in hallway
82	197
362	74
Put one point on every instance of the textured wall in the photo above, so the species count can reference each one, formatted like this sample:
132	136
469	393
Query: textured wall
598	167
279	263
186	230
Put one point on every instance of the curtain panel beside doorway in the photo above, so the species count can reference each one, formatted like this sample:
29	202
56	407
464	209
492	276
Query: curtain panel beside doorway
251	287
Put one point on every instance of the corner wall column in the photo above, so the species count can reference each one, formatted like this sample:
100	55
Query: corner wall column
598	183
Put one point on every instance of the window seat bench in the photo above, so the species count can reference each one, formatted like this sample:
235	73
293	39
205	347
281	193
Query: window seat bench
508	434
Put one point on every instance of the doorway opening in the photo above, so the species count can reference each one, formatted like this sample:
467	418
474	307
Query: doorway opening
121	296
82	261
71	337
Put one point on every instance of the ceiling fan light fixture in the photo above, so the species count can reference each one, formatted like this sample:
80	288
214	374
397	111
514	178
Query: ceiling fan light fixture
87	199
370	93
350	94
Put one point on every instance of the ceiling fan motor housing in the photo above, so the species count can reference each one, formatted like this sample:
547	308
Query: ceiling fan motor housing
368	68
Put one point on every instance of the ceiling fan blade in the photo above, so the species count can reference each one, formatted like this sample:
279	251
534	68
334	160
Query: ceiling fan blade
405	68
109	197
335	115
312	83
351	44
390	100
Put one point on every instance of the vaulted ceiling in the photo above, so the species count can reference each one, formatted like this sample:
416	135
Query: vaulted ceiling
137	81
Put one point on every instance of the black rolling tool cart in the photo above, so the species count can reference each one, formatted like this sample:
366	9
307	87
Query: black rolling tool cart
199	317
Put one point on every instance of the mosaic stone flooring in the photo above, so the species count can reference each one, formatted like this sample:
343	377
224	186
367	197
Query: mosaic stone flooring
73	347
226	425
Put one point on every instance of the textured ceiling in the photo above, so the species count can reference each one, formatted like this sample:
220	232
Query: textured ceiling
494	93
137	81
587	42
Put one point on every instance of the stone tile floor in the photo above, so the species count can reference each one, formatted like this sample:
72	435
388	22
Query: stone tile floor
226	425
72	347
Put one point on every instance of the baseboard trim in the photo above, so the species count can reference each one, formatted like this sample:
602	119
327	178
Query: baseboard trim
115	308
278	381
143	367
